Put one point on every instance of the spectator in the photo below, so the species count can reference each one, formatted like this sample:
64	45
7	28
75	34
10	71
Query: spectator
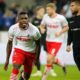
59	4
66	10
2	6
9	19
15	8
39	2
1	21
29	11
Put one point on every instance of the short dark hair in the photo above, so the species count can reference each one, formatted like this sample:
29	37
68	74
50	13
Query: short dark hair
38	8
52	5
22	13
76	1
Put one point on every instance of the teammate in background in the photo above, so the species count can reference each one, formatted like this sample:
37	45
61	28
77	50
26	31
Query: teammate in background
74	32
25	35
39	12
56	26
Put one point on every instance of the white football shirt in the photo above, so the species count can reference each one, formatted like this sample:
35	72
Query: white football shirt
24	39
54	25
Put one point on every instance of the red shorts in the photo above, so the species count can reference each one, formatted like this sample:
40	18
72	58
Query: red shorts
23	58
53	47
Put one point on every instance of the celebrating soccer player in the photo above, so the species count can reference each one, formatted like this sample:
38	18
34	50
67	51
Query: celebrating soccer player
25	35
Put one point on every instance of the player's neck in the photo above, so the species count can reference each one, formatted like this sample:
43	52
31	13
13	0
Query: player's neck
53	15
24	28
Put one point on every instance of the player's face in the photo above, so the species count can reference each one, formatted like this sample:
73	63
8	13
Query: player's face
50	10
23	21
74	7
41	12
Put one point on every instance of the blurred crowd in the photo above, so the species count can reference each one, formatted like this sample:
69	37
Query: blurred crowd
8	13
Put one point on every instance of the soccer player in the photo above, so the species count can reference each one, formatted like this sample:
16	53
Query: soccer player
25	35
36	20
56	25
39	12
74	32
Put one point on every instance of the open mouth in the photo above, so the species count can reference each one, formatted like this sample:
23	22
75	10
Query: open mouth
24	24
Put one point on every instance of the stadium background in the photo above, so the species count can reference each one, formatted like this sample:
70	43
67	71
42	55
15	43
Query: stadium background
8	11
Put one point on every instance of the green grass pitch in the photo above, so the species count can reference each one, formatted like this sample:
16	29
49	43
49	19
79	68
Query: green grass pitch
72	73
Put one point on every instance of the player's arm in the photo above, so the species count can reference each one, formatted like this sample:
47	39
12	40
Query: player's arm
42	29
8	48
36	38
69	41
8	53
37	35
65	27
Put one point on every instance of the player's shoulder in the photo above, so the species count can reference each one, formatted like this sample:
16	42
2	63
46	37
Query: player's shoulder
60	16
33	27
14	26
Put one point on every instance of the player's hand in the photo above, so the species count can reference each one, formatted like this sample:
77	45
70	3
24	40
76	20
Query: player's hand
6	65
68	49
42	31
57	34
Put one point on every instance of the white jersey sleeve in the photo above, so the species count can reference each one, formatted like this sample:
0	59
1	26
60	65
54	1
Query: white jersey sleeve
64	22
37	34
11	33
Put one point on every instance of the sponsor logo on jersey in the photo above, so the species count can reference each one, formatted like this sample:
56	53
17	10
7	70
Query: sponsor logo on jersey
53	26
23	38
